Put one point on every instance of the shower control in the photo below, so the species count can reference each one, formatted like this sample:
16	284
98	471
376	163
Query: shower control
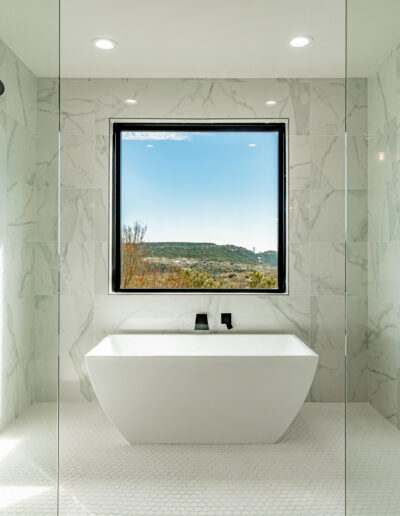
227	319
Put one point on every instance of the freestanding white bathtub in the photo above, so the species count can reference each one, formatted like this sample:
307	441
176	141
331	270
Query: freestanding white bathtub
201	388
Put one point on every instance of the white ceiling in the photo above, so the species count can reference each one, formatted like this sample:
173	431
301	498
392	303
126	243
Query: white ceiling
200	38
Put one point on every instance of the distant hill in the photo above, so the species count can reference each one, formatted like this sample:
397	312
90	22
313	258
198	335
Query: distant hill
211	252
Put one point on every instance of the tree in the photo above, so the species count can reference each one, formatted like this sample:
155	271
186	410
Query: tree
133	253
198	279
260	280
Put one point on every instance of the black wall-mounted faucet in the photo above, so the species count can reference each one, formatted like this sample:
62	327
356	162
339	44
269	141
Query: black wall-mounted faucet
227	319
201	322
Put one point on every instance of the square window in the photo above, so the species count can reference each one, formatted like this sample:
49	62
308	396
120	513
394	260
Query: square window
198	207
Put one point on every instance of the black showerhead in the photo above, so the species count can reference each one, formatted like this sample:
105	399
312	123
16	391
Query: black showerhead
2	88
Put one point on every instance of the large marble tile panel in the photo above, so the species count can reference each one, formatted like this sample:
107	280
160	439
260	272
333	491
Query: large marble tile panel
47	157
209	98
47	214
101	268
77	106
392	201
384	335
299	215
46	268
76	339
299	269
77	268
328	162
19	269
383	393
357	162
383	260
18	325
327	322
77	214
327	106
46	347
78	161
47	105
327	215
327	267
378	215
329	380
357	268
21	210
357	215
382	93
373	263
101	174
21	152
101	225
356	361
357	309
299	96
356	106
299	162
383	156
25	372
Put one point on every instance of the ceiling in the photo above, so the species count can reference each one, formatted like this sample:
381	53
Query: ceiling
200	38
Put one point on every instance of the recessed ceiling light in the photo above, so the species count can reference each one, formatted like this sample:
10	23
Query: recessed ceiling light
300	41
270	103
252	144
130	101
150	146
104	44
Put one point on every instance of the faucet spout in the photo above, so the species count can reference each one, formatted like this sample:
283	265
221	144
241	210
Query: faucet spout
201	322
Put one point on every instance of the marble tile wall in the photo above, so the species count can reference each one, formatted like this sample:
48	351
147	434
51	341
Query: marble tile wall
17	235
315	307
384	238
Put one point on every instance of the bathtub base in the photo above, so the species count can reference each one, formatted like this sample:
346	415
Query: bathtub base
202	399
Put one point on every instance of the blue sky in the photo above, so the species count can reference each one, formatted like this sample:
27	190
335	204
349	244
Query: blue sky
218	187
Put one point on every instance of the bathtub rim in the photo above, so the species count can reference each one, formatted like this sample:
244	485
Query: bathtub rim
100	349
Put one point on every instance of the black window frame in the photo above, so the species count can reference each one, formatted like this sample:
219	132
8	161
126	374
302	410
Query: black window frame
193	126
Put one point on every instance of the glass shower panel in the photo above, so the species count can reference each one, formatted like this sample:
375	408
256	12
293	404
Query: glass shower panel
372	258
303	473
29	125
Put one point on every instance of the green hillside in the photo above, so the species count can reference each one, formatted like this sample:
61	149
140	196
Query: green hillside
211	252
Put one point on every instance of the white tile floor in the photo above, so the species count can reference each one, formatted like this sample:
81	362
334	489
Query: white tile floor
301	475
28	463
